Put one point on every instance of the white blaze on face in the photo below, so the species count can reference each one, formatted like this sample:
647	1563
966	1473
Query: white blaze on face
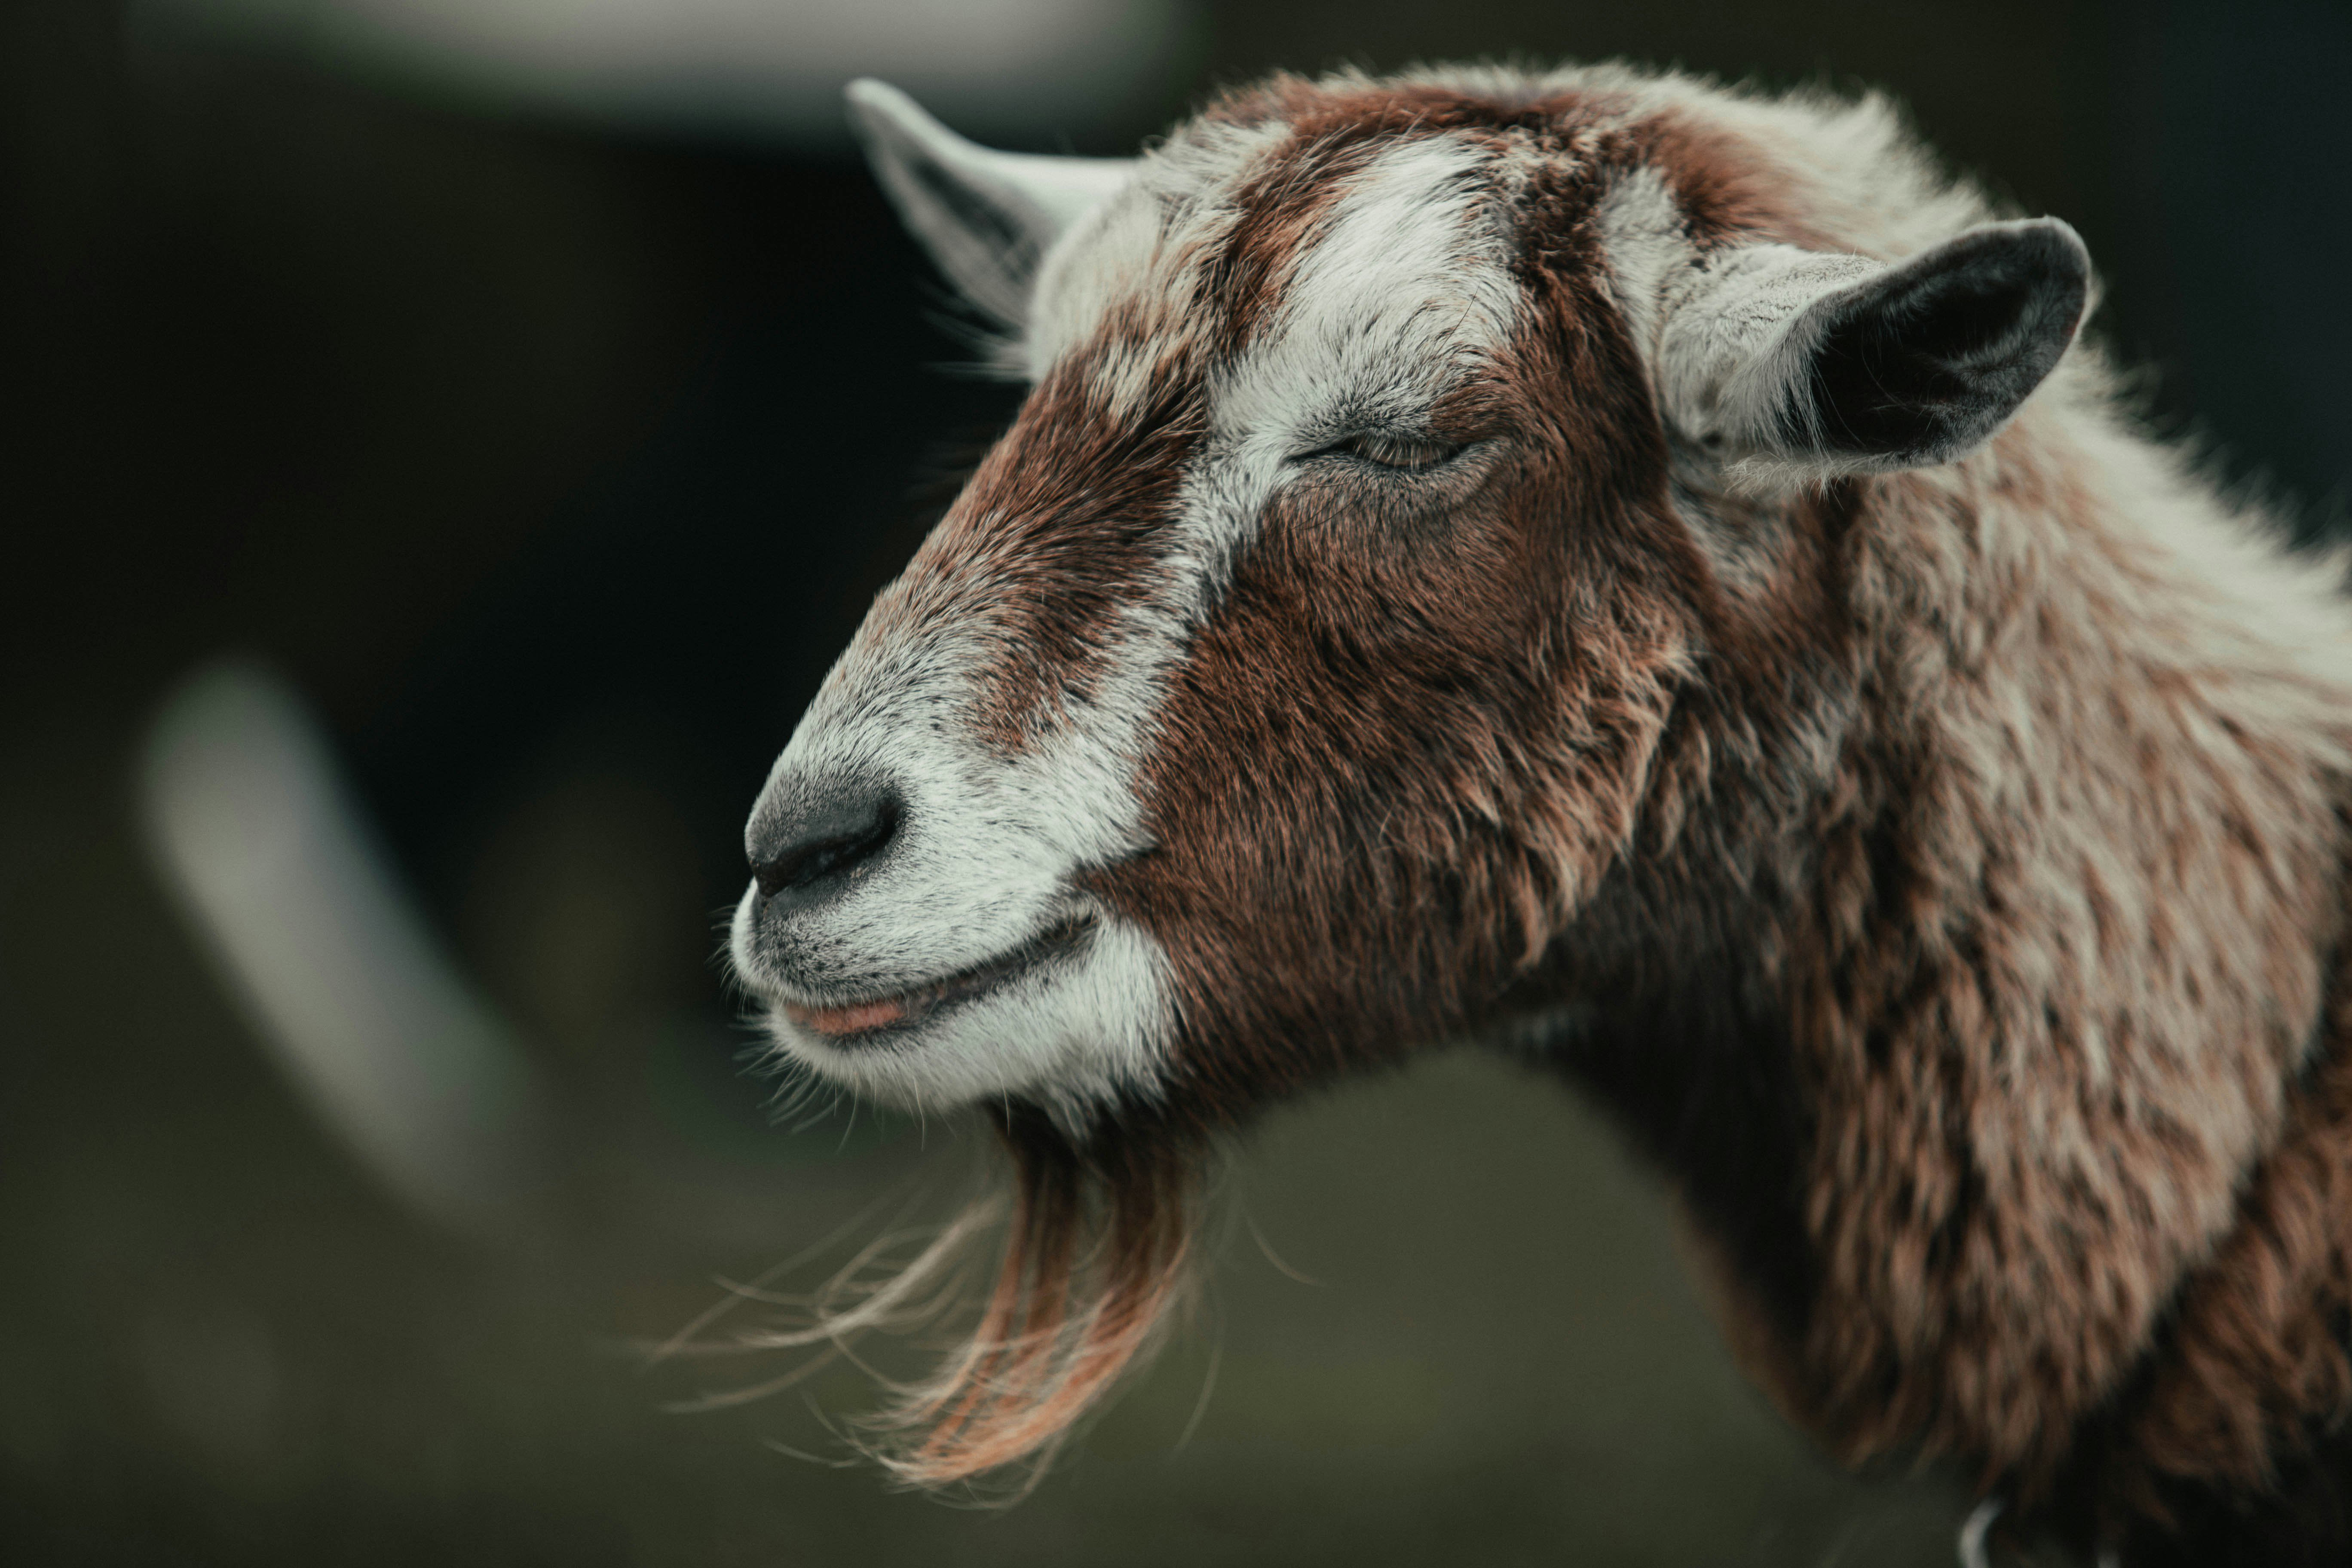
1404	286
1407	290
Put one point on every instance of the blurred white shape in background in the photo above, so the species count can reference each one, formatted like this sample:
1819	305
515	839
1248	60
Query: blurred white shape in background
253	828
763	66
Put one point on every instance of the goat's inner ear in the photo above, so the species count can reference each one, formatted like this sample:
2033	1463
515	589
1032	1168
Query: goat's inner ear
1923	362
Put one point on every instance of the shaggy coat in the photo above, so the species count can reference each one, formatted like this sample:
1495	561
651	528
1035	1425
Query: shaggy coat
1645	575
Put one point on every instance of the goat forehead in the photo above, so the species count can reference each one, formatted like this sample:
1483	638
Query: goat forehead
1282	259
1398	284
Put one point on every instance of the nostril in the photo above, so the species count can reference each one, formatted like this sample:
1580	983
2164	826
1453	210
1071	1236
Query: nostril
823	847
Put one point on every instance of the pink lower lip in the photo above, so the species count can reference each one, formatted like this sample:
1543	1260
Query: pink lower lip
862	1017
851	1020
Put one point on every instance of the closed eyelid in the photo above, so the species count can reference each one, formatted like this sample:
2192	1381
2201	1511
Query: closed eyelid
1403	453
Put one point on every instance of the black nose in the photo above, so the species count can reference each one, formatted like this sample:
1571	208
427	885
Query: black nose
819	844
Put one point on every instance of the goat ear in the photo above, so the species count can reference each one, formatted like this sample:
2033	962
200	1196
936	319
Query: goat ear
987	217
1844	365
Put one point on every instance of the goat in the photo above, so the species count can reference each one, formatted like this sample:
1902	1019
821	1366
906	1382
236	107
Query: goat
1646	576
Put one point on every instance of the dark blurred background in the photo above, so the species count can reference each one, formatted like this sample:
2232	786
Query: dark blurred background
542	400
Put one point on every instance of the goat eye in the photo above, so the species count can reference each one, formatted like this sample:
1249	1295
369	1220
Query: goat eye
1405	454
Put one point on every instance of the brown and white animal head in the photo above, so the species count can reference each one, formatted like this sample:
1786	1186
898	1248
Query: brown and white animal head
1292	672
1399	611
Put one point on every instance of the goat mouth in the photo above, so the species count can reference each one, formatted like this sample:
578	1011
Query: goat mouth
901	1010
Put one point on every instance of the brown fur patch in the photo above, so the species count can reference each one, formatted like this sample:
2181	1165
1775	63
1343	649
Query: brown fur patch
2255	1361
1726	193
1060	531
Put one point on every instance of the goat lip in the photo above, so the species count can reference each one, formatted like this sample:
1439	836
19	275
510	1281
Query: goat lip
849	1021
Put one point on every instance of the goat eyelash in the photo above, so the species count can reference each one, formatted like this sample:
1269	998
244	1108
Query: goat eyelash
1399	454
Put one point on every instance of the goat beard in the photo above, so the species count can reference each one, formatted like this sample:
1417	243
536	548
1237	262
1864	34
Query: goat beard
1097	1253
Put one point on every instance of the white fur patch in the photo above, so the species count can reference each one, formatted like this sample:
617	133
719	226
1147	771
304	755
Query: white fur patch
1407	290
1644	239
